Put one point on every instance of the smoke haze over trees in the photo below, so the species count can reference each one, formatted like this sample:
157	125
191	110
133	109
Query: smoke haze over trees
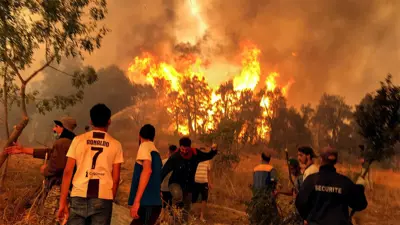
332	40
338	47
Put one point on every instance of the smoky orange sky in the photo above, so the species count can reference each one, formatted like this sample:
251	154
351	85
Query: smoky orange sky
342	47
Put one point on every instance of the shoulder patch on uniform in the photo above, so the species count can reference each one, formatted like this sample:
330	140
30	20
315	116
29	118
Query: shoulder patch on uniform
263	167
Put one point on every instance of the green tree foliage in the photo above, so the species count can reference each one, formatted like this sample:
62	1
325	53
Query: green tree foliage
378	119
289	130
63	28
226	136
262	209
332	118
288	127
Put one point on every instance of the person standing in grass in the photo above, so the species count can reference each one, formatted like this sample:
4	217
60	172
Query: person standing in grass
325	197
97	158
56	156
145	191
294	217
306	157
202	185
263	208
265	175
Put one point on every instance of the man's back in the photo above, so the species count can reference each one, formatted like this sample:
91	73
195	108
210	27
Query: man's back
325	197
95	153
151	195
201	175
264	176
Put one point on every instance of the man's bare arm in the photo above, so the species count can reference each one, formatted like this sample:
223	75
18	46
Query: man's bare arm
143	181
66	180
116	176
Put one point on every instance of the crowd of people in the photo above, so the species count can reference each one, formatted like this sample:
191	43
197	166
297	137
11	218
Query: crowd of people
321	195
83	174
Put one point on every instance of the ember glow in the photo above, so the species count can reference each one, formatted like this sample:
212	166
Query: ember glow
179	70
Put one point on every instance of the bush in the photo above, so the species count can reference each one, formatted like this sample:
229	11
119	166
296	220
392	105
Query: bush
263	209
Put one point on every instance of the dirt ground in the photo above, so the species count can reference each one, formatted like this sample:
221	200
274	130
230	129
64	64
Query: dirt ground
230	190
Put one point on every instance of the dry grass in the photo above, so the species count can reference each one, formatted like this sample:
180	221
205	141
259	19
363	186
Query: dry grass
231	189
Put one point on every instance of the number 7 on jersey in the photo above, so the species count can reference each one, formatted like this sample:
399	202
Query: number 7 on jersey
96	155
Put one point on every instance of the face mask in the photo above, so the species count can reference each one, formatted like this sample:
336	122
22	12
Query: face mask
55	135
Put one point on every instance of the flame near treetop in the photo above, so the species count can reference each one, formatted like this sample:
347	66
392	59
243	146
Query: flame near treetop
191	66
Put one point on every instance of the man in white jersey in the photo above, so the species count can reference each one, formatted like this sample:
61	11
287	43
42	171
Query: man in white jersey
202	185
306	155
97	157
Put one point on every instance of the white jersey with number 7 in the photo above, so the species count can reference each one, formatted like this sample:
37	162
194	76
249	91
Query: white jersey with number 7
95	153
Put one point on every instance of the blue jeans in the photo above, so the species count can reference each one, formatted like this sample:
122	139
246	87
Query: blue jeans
90	211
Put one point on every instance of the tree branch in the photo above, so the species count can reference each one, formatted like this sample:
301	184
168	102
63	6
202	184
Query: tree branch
63	72
40	69
13	66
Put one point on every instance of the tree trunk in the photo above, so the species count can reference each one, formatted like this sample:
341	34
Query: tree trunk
364	171
17	129
5	101
5	88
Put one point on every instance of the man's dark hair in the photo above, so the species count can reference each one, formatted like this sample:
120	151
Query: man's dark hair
172	148
265	157
185	142
148	132
307	151
100	114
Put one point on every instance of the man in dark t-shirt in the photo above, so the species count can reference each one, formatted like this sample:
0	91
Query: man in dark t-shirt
145	196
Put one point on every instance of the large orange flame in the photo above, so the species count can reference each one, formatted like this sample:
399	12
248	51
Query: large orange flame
191	66
250	74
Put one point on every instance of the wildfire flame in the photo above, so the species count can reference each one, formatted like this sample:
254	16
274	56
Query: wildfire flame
250	74
192	66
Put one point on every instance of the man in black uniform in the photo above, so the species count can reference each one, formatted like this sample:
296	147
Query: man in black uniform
325	197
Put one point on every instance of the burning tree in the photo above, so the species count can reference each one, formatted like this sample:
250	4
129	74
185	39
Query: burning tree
198	109
195	103
378	118
67	28
225	101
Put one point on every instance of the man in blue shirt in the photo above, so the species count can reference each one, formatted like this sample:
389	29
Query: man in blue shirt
265	175
145	196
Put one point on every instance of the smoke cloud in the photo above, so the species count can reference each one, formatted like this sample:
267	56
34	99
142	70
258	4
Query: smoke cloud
338	46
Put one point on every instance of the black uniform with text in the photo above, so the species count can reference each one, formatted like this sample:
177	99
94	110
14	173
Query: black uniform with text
325	198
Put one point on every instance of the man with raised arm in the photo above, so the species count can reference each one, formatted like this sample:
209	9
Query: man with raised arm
56	157
183	165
